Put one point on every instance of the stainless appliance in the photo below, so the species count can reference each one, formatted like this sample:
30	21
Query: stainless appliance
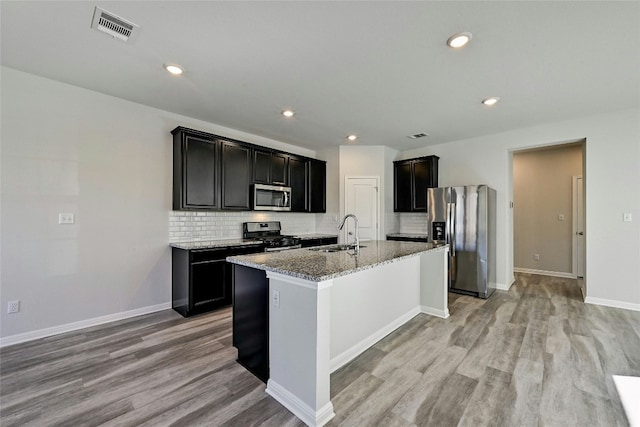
271	198
268	232
465	218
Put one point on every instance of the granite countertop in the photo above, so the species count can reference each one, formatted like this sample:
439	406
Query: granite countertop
315	236
211	244
319	266
409	235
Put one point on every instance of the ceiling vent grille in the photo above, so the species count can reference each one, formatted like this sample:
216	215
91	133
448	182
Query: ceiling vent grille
114	25
418	135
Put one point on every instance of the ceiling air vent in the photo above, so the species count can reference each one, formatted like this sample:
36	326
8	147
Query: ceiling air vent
418	135
114	25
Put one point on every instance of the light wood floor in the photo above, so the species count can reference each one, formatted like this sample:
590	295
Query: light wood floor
535	356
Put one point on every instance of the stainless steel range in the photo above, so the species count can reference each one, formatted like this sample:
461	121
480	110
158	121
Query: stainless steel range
269	232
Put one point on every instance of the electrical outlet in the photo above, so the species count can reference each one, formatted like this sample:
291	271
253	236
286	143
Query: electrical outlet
276	298
13	306
536	257
66	218
626	217
560	217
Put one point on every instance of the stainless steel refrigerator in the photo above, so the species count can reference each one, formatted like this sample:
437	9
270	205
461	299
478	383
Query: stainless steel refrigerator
465	218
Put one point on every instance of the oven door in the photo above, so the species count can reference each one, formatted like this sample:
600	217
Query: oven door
271	198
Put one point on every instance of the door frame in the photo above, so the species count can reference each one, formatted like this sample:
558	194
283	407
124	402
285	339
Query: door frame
346	202
578	211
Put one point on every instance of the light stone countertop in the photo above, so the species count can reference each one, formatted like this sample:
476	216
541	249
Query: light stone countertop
212	244
319	266
315	236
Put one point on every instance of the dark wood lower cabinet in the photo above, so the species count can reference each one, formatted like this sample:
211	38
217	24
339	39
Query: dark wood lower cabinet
201	278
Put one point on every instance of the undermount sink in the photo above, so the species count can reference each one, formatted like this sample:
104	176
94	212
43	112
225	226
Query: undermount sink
335	248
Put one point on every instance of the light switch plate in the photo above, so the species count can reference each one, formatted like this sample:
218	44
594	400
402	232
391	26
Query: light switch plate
626	217
66	218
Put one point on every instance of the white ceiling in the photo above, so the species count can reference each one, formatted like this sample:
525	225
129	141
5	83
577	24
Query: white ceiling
377	69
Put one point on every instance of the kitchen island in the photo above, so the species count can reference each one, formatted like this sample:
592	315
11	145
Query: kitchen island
325	308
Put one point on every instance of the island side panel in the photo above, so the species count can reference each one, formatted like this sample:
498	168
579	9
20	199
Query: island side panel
368	305
434	284
251	319
299	328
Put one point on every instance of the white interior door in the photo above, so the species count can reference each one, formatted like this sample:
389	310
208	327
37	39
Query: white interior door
362	200
578	227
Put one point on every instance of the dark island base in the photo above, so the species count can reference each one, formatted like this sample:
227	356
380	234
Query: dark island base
251	319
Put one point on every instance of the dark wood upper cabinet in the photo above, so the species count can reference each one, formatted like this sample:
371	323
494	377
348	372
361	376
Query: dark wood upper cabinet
411	179
270	167
236	175
298	178
211	172
317	186
196	171
279	168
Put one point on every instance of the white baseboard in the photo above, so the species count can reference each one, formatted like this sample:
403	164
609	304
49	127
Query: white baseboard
545	273
504	286
433	312
612	303
60	329
358	348
307	415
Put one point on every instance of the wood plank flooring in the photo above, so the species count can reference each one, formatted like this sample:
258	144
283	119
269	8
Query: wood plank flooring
535	356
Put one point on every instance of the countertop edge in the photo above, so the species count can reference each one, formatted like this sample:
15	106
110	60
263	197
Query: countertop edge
213	244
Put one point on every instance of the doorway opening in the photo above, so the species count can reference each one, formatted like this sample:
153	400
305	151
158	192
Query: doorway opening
548	210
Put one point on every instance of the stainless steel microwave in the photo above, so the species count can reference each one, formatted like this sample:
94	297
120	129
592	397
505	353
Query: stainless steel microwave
271	198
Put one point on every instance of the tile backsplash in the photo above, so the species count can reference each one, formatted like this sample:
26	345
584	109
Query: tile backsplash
413	222
187	226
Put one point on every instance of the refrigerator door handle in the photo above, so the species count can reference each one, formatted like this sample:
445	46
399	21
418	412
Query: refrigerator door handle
452	228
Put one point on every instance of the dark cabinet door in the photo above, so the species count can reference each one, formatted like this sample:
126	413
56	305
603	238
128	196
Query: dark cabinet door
402	193
210	286
279	168
298	184
270	167
421	181
261	167
317	186
236	175
195	172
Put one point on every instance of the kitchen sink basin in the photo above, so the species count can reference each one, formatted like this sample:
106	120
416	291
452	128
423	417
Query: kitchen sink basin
334	248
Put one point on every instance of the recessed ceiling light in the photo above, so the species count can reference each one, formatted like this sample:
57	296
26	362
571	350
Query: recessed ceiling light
459	40
288	113
490	101
174	69
352	138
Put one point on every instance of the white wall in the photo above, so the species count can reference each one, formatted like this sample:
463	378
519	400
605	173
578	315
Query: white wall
108	161
612	177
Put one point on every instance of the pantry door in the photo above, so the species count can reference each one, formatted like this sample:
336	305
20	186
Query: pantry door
362	199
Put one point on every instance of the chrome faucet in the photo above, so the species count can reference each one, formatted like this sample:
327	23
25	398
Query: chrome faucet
355	220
